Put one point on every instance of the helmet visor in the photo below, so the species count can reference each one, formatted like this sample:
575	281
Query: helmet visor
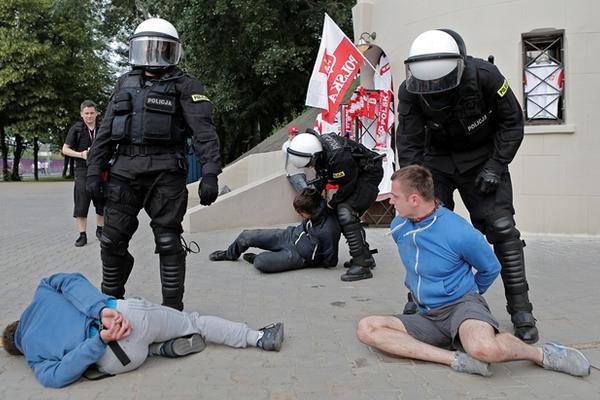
423	86
154	51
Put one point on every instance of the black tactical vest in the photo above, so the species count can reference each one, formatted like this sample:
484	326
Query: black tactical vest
463	125
337	148
148	111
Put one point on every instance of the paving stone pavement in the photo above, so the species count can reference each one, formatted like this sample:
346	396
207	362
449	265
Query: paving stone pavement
321	357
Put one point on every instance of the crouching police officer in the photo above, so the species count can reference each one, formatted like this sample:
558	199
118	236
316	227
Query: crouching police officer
357	171
152	111
459	118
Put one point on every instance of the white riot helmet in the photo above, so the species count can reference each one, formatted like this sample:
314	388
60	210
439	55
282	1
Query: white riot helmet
155	45
435	62
303	148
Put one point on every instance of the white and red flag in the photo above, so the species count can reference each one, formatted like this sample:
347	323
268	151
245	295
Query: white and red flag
337	64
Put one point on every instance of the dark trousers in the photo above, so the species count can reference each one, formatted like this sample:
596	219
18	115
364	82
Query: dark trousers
282	256
163	195
481	207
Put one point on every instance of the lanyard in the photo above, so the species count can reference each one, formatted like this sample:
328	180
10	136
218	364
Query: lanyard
92	133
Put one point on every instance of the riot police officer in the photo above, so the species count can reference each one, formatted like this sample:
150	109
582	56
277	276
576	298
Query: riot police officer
357	171
152	111
459	118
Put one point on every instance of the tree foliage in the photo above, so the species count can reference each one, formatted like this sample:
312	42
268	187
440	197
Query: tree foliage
53	58
253	57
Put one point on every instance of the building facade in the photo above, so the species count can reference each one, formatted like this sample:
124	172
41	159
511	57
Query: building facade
550	53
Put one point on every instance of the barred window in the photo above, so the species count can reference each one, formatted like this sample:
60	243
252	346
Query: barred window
543	76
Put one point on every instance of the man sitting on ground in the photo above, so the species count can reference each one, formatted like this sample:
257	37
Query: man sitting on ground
313	243
69	323
453	325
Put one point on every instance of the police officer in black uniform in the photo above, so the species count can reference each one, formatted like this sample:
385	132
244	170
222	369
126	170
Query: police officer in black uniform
459	118
357	171
152	111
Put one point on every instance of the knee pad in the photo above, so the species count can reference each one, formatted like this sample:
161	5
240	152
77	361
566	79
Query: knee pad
501	229
168	243
112	242
346	215
115	272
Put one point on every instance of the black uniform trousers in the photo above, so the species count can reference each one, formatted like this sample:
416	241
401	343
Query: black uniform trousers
480	206
163	195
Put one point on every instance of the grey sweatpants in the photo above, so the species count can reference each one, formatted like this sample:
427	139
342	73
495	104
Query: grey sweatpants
153	323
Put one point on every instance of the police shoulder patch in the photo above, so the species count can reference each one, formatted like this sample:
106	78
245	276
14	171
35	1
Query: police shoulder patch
199	97
337	175
503	89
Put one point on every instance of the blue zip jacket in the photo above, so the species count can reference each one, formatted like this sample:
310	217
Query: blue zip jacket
445	258
54	330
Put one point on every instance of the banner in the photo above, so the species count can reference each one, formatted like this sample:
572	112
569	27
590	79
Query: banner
338	62
383	120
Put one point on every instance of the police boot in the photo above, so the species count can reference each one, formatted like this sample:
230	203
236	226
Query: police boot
520	309
410	307
357	272
512	260
361	266
351	262
172	278
115	272
362	261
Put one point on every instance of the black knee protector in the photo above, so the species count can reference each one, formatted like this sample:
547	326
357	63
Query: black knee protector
168	243
347	215
172	277
355	236
512	260
117	263
500	229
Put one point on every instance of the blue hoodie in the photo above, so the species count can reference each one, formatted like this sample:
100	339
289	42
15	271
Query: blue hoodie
54	330
440	254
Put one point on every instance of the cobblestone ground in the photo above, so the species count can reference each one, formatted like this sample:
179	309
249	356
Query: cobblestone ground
321	357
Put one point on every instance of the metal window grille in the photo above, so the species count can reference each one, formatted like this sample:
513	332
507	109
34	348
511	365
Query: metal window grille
543	77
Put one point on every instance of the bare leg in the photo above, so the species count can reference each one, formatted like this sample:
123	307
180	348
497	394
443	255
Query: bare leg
99	220
482	343
81	223
388	334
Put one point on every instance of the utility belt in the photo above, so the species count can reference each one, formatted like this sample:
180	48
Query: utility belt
149	149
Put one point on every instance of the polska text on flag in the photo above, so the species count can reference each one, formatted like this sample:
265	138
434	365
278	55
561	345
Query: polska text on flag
337	64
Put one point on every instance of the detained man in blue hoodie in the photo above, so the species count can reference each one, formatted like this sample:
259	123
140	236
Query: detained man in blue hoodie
449	265
70	326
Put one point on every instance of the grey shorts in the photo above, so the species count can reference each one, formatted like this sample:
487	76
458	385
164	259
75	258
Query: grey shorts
439	326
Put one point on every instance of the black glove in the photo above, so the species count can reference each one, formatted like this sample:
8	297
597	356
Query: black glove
488	179
94	187
208	189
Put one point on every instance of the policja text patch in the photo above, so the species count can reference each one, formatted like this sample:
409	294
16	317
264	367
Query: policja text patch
160	103
337	175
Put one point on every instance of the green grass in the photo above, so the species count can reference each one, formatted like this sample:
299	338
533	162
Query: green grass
29	179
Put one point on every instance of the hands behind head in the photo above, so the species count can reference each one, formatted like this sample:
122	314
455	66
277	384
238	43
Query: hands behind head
115	326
